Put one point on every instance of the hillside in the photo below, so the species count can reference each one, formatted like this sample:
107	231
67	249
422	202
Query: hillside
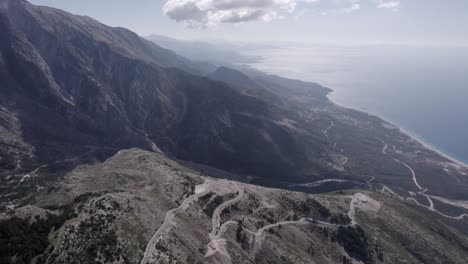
103	135
141	207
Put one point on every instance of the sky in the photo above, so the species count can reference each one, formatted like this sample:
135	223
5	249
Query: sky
419	22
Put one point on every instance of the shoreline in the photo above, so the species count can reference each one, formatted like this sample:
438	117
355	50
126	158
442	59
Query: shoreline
425	143
405	131
431	147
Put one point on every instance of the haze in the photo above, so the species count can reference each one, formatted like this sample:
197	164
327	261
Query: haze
423	22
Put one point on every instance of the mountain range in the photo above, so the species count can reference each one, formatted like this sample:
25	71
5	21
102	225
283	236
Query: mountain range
103	132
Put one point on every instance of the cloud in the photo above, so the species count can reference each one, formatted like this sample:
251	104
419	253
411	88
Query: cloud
388	4
208	13
211	13
300	14
352	8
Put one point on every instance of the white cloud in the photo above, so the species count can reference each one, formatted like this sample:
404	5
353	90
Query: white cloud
202	13
388	4
210	13
352	8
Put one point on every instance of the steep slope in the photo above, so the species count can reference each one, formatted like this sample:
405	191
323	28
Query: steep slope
291	90
141	207
207	57
245	85
81	90
75	91
71	35
359	149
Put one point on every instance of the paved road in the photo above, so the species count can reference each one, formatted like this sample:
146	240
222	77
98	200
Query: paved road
216	219
169	219
421	192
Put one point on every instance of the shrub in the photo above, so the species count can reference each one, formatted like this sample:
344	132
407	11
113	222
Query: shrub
25	240
354	241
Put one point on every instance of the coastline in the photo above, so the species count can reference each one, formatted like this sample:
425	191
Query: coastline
403	130
334	67
431	147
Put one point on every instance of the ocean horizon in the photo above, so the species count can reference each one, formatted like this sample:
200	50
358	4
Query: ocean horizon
372	79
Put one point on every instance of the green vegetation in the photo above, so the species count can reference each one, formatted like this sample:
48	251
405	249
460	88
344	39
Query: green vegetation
93	239
27	239
307	207
354	241
240	235
7	161
210	203
206	198
340	219
448	209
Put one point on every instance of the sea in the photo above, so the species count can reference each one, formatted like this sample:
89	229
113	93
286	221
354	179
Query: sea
422	89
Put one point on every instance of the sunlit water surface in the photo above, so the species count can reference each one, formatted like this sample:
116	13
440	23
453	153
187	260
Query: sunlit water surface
423	90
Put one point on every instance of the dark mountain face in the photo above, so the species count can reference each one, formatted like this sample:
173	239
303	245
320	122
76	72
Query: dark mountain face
74	90
82	89
246	85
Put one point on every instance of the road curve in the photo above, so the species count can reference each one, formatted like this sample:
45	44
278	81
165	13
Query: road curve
216	219
217	244
169	219
421	192
413	174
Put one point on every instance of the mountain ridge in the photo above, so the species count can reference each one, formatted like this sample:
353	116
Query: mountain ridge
142	207
77	96
101	91
115	150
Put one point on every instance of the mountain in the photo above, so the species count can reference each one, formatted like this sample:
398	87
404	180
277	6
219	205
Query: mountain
245	84
76	88
268	86
141	207
76	93
210	54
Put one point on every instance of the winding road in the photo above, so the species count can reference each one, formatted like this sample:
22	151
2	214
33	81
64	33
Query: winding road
217	244
422	191
169	219
413	174
216	219
352	210
216	248
259	236
318	183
